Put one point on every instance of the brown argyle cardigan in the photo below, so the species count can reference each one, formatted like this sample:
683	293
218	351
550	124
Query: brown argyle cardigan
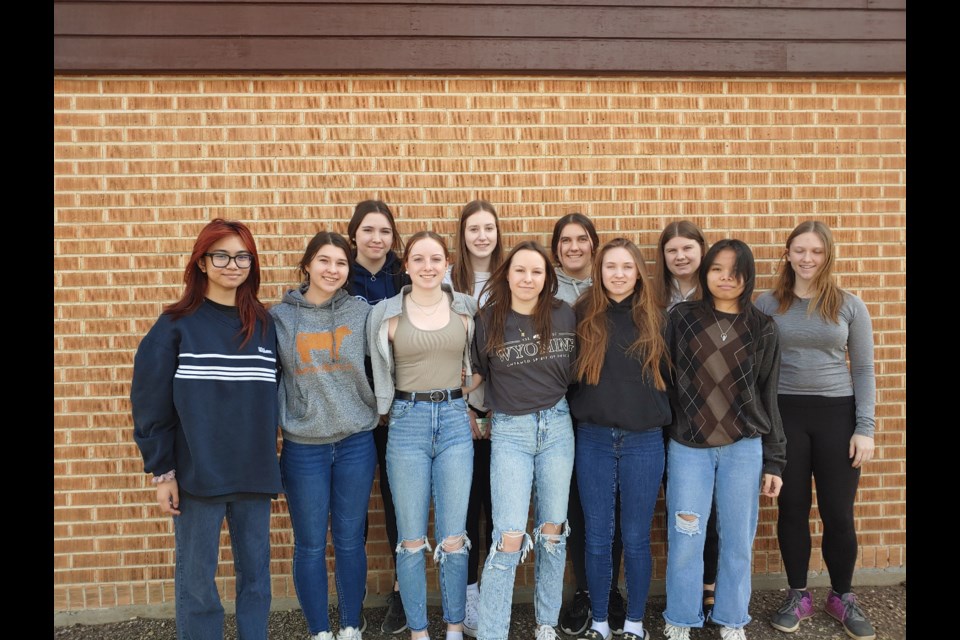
725	390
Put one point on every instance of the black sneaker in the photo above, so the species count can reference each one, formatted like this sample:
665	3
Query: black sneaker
363	622
577	616
709	599
616	612
395	620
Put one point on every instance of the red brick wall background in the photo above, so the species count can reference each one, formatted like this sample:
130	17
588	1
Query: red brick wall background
142	163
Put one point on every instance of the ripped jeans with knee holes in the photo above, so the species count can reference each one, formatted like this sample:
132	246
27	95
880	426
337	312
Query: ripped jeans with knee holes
695	476
430	454
529	454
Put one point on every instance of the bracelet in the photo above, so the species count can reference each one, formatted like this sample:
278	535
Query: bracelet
164	477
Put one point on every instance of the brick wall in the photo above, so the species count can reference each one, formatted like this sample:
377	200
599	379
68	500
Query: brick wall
142	163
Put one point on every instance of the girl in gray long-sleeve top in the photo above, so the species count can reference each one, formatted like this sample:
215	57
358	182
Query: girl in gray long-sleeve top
827	409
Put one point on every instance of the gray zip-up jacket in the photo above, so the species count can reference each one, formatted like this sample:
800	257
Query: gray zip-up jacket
381	353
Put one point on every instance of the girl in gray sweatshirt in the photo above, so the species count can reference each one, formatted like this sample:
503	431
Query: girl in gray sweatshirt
327	416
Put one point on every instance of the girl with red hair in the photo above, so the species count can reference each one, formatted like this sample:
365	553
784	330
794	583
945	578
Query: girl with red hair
204	401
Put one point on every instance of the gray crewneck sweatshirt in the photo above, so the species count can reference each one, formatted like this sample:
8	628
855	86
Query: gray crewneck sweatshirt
324	392
814	354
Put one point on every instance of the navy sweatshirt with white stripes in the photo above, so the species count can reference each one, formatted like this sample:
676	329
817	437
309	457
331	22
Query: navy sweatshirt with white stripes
205	407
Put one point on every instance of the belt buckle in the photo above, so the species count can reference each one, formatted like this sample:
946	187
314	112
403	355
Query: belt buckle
438	395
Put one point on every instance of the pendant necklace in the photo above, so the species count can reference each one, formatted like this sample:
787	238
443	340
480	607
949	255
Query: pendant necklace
723	334
523	335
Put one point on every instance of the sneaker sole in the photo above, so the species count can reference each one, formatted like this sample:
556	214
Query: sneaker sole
572	632
467	631
394	632
780	627
872	636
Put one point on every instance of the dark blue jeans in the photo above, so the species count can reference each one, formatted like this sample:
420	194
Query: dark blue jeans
611	461
197	529
329	483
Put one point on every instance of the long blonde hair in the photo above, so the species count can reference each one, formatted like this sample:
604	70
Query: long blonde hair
827	296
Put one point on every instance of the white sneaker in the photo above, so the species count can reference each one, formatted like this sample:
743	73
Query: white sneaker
472	620
729	633
672	632
323	635
546	632
350	633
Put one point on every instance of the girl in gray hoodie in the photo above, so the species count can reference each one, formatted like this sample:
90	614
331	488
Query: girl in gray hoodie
327	415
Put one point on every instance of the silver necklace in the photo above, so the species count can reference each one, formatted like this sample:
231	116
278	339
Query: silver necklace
436	307
723	334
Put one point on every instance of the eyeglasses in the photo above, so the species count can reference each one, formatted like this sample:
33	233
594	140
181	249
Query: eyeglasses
221	260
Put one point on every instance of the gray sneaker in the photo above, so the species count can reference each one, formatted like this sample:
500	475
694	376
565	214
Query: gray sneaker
844	607
797	606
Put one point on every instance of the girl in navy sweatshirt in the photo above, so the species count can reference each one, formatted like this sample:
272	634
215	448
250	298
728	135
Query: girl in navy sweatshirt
377	275
204	399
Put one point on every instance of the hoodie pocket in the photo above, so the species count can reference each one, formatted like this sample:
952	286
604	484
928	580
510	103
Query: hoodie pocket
296	404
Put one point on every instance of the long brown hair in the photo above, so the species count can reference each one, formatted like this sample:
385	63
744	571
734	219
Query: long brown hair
662	278
462	272
827	296
494	313
593	329
248	305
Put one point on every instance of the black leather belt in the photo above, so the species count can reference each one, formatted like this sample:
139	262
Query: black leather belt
437	395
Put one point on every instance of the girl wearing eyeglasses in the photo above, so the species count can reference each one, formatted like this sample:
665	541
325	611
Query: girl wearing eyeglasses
204	401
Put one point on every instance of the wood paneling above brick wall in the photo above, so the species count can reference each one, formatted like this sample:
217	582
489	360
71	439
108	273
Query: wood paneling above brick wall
812	36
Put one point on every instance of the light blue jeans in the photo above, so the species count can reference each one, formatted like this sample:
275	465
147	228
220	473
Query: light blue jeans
430	452
729	477
529	452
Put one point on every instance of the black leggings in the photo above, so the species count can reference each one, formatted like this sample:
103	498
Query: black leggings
389	515
818	431
480	502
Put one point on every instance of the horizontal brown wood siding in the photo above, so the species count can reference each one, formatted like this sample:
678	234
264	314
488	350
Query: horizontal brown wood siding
800	37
